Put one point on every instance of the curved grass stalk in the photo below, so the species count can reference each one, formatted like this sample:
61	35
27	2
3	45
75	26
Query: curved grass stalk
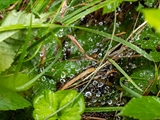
34	54
124	73
128	89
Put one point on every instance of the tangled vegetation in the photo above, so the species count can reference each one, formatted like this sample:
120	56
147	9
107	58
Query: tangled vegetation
79	59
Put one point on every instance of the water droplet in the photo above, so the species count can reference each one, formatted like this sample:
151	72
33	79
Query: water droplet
109	6
99	55
88	94
41	69
103	103
63	74
109	102
51	81
43	78
62	80
82	18
94	82
100	84
94	100
100	23
72	8
41	54
98	94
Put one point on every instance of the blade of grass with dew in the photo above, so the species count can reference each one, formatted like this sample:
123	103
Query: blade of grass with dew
20	61
23	26
68	17
128	89
156	81
39	75
124	73
103	109
47	68
34	54
88	11
128	44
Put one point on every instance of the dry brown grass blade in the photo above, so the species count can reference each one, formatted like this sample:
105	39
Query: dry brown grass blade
75	42
12	6
64	8
86	72
93	118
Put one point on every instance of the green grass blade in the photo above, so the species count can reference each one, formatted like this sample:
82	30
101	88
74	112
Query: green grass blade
68	17
103	109
39	75
128	44
20	61
128	89
88	11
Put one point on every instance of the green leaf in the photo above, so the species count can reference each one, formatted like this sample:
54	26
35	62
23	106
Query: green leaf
49	102
153	17
142	77
10	41
66	96
6	4
148	39
11	100
155	55
150	3
45	104
143	108
8	81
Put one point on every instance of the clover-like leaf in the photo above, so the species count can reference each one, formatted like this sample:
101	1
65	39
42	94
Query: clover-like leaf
49	102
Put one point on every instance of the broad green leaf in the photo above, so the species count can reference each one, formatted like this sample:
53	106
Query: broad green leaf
21	17
148	39
153	17
66	96
49	102
11	100
155	55
8	81
143	108
142	77
5	4
7	56
10	41
72	111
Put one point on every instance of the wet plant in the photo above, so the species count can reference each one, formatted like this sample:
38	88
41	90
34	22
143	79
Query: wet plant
74	59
